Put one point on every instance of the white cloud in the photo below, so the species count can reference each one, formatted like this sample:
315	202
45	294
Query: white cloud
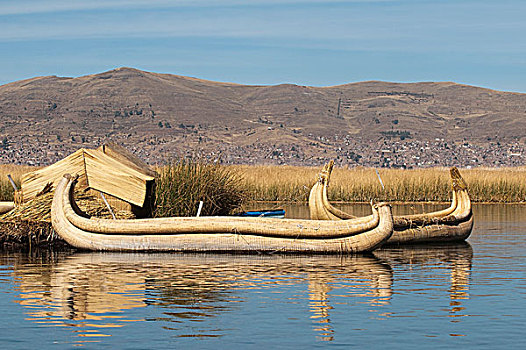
22	7
408	26
230	23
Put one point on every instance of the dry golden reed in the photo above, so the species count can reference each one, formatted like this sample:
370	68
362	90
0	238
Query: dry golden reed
288	183
292	183
182	184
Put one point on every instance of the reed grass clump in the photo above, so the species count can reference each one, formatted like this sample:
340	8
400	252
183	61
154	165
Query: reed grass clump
16	172
182	184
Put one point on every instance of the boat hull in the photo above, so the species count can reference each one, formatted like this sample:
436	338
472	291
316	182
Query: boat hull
216	234
432	233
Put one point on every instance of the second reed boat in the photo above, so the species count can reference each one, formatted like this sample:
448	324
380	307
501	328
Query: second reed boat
451	224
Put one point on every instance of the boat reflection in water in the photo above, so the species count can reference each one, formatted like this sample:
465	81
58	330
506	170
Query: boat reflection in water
94	293
456	257
363	277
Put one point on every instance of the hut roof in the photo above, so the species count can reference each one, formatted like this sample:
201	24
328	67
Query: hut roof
109	169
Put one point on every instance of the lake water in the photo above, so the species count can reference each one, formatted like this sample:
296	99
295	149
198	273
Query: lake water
470	294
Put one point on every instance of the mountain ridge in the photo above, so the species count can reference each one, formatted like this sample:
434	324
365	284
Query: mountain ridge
159	114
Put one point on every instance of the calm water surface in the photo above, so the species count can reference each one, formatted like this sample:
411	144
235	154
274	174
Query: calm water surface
435	296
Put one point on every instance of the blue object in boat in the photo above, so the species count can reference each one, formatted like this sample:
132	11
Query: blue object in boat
272	213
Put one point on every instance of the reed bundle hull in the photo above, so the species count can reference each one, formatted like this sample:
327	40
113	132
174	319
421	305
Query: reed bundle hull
217	234
432	233
454	223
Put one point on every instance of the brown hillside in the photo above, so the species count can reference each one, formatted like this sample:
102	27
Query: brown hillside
157	115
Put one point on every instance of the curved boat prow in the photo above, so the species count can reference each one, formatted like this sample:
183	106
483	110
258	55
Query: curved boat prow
319	206
457	181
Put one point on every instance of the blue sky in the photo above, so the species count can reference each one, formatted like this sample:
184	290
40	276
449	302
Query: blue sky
308	42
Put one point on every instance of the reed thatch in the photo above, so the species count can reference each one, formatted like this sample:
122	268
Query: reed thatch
109	169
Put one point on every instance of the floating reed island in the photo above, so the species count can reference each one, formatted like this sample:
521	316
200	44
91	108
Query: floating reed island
28	225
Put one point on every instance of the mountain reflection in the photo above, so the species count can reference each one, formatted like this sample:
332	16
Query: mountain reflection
457	257
94	293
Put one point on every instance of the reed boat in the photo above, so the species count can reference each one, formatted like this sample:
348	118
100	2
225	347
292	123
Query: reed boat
454	223
6	207
216	234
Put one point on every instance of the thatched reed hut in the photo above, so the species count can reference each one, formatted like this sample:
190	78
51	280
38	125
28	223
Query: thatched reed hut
127	182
